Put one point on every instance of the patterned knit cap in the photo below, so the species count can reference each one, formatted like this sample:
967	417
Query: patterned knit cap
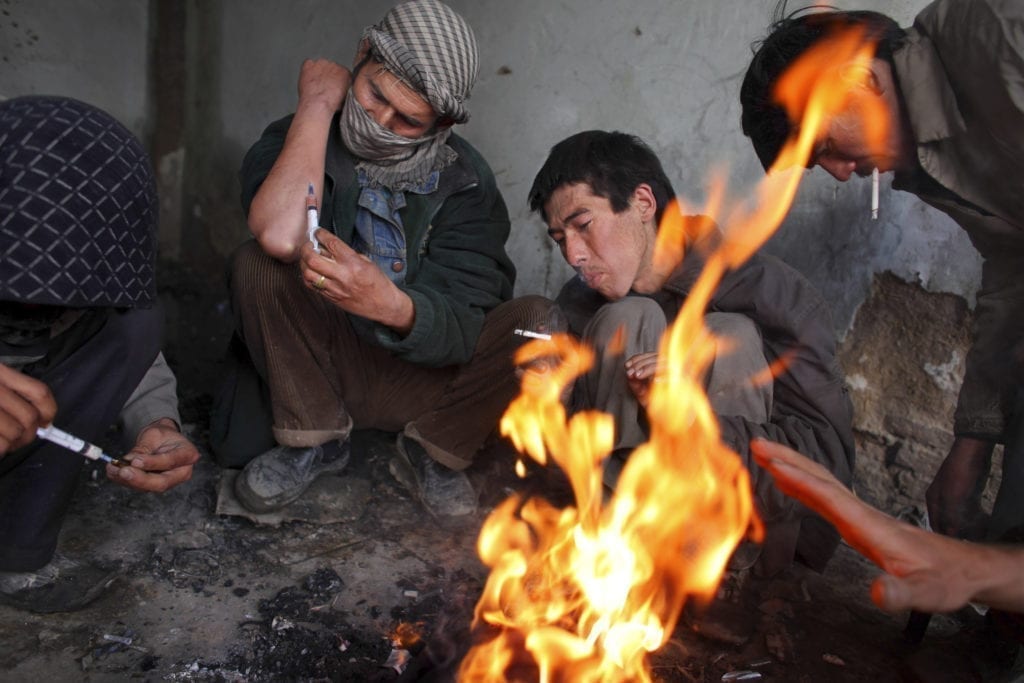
78	207
433	49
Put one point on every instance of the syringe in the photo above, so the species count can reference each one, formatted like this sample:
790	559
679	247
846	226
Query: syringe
73	443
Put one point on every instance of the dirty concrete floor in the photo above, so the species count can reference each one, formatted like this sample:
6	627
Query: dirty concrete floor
207	597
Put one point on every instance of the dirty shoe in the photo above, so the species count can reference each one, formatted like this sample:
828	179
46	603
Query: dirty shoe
279	476
62	585
444	492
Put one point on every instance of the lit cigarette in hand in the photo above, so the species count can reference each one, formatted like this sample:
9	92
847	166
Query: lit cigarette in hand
874	194
531	334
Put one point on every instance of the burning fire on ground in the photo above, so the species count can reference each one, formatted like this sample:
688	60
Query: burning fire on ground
585	592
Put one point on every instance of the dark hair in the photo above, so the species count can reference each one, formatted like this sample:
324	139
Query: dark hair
613	164
764	121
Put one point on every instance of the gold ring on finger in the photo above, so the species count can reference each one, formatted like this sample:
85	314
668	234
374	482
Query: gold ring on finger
319	284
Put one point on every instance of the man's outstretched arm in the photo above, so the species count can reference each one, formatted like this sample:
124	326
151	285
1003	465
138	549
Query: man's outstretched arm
924	570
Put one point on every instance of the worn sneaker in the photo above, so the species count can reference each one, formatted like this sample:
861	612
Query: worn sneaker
62	585
279	476
444	492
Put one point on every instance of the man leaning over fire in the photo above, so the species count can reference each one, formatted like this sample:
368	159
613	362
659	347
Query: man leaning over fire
602	196
953	88
400	318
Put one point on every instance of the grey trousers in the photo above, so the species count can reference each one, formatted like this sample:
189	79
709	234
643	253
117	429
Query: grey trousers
728	383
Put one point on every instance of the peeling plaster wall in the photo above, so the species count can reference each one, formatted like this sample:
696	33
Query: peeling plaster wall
93	50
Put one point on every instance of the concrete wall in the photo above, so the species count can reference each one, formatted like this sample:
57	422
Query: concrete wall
667	70
93	50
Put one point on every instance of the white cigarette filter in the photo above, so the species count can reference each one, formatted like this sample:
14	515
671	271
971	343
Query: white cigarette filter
532	334
874	194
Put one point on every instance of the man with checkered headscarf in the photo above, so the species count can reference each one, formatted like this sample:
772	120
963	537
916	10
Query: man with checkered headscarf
79	334
398	314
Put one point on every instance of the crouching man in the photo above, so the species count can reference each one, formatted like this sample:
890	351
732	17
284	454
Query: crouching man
602	195
80	335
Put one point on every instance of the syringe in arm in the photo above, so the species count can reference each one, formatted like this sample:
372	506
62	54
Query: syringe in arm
312	218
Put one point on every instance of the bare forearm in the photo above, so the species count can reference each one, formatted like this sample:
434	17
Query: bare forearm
276	217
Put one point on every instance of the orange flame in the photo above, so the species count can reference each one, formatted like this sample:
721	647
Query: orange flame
406	634
584	593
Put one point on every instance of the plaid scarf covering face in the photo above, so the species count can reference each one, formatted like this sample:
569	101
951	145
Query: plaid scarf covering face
433	50
78	207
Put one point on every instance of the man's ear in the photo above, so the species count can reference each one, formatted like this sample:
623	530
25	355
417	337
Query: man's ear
644	201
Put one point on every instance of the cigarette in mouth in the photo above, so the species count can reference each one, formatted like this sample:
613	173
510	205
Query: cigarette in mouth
532	335
874	194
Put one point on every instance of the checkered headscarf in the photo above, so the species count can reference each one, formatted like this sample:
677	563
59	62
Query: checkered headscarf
78	207
433	49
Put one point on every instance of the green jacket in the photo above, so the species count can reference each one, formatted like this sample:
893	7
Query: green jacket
961	76
457	266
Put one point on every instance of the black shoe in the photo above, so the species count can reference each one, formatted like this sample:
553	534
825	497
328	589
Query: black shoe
444	492
279	476
62	585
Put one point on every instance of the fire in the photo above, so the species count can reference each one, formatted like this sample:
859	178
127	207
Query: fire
584	593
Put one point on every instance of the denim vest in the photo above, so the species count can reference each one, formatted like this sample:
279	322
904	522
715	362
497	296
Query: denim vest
379	234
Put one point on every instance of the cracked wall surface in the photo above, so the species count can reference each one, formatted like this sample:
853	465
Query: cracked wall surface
904	360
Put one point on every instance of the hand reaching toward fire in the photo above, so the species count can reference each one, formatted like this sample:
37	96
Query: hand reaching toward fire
924	571
640	371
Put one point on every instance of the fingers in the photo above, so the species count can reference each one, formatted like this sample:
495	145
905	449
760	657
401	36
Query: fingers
25	404
891	595
166	466
924	591
332	247
794	474
642	366
141	480
811	484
